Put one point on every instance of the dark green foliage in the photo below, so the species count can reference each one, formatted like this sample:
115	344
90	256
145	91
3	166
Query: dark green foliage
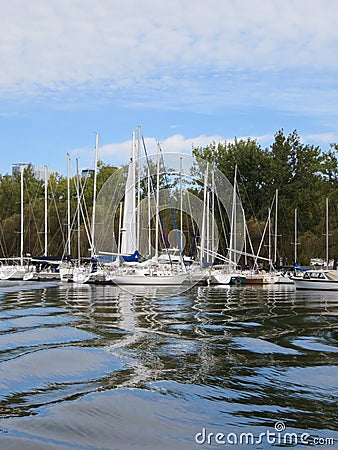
304	176
34	212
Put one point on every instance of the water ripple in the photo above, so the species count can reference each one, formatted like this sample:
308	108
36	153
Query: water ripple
99	366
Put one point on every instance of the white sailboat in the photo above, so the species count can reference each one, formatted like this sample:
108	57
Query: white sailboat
84	270
89	271
227	272
151	272
18	268
45	267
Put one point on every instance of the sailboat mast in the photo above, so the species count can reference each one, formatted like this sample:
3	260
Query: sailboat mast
92	247
128	243
295	235
327	232
276	228
120	237
181	201
208	227
138	221
233	243
149	214
21	214
78	212
213	212
157	201
68	204
204	214
269	238
46	212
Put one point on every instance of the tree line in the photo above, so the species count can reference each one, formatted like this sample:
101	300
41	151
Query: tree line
304	175
34	211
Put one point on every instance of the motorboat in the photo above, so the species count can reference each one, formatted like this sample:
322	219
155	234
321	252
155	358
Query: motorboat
324	280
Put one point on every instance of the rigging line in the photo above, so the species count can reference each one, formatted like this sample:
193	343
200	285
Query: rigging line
2	241
155	196
83	215
194	228
74	217
57	215
179	237
248	199
104	237
31	215
222	220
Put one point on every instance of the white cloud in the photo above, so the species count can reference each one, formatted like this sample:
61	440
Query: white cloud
118	153
117	45
321	139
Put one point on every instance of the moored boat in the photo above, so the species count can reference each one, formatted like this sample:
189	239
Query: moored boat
324	280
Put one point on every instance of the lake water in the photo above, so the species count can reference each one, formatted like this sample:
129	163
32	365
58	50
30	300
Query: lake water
98	367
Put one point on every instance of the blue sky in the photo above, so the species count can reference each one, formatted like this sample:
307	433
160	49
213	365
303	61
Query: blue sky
189	72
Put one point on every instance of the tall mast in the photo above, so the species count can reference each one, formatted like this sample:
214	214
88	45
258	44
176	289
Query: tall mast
21	214
327	232
208	227
138	221
213	211
78	212
92	246
269	238
157	201
204	214
149	214
46	212
68	204
276	228
181	203
128	242
120	236
295	235
233	243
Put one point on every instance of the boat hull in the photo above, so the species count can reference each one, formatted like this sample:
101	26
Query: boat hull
319	285
170	280
14	273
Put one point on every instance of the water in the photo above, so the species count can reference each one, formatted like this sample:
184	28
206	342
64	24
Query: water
98	367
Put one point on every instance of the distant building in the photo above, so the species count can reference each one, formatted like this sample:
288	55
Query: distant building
39	171
86	173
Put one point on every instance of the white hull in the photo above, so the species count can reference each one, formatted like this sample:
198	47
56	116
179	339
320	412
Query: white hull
14	272
41	276
66	273
282	279
311	284
82	275
323	280
220	278
165	280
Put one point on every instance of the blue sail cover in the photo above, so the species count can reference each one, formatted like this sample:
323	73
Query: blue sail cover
130	258
127	258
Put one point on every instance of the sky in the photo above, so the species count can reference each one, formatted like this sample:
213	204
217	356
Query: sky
188	72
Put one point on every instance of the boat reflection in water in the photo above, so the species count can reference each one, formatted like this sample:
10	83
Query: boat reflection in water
102	366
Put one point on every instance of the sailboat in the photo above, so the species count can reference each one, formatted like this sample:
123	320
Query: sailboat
150	272
18	268
225	273
86	270
46	268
